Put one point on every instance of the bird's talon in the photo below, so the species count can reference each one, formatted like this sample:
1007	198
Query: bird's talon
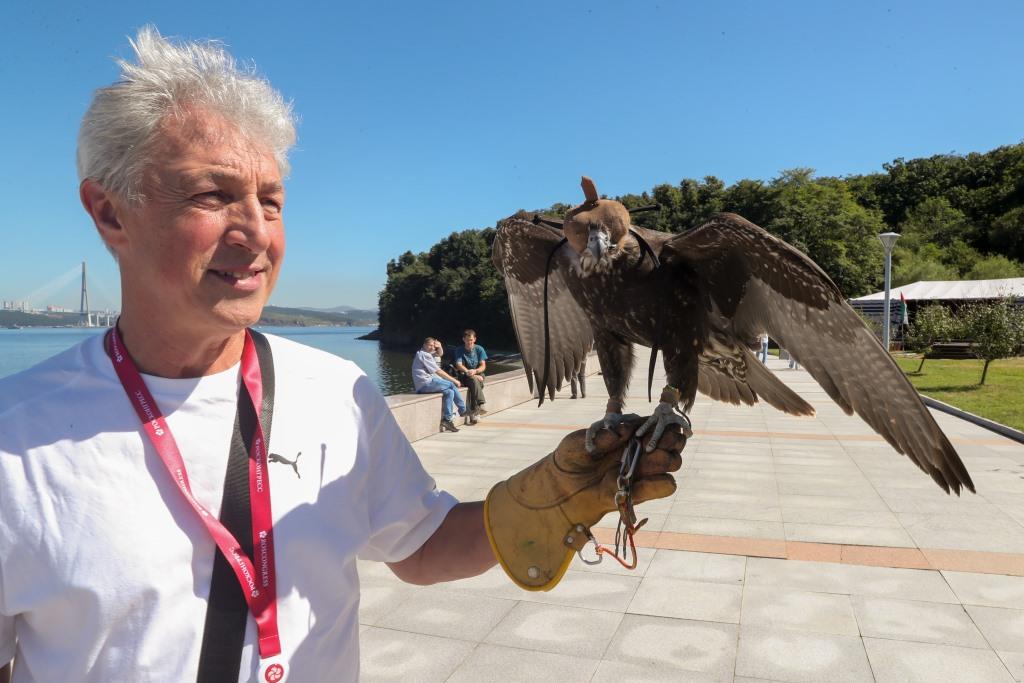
664	415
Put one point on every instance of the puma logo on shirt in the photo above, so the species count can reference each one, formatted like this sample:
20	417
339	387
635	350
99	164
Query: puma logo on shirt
274	457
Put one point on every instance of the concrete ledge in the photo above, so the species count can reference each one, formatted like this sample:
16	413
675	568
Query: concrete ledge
419	414
1002	430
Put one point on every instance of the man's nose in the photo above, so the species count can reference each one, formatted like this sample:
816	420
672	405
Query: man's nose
249	226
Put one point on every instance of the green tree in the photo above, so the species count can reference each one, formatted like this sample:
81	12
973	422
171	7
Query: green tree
445	290
995	268
935	221
996	330
933	323
1007	232
751	199
923	264
821	218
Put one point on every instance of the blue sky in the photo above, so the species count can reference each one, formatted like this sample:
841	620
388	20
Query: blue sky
422	118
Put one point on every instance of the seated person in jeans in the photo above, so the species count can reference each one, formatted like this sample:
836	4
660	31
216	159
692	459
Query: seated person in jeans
470	364
428	378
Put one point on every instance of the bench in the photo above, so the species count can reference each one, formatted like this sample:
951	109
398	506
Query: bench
954	350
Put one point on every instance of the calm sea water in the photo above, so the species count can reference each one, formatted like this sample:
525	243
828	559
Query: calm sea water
21	349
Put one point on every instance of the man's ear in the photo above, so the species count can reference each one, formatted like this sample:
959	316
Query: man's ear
103	207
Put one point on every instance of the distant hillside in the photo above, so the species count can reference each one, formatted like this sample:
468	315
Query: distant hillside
305	317
349	310
22	319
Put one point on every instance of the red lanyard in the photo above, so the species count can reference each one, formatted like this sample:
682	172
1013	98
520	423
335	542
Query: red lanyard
258	586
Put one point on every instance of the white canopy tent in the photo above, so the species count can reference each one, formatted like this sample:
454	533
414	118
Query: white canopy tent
949	290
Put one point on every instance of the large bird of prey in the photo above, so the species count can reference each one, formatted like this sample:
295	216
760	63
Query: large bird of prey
701	296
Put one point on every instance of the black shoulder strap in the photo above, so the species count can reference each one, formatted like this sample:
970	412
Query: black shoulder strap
227	611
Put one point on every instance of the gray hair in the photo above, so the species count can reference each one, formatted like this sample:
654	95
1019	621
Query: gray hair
122	122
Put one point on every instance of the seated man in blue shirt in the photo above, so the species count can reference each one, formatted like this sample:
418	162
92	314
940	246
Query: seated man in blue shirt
470	364
429	378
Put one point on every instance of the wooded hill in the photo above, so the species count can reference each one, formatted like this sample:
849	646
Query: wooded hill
960	216
303	317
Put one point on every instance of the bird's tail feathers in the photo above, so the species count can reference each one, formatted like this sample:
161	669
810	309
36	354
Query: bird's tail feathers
772	390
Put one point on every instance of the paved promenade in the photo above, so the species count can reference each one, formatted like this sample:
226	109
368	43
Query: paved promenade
795	549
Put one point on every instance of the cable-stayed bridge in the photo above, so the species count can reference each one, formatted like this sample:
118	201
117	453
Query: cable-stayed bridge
40	299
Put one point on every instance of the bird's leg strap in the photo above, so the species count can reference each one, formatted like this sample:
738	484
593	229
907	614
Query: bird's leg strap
628	525
669	394
673	396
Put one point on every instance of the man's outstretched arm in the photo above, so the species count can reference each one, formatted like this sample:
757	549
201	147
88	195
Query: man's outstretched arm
530	516
457	550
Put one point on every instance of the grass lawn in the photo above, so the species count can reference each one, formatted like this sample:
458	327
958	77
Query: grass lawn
956	382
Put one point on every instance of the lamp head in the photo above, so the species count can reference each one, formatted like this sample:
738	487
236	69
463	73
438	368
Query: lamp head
888	240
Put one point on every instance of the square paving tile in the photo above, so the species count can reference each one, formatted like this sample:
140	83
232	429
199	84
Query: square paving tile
511	665
1003	628
702	646
380	597
1014	662
493	583
800	656
868	503
899	661
707	567
926	622
824	577
387	655
449	614
760	513
716	526
855	535
681	599
989	590
837	516
556	628
773	608
652	672
589	590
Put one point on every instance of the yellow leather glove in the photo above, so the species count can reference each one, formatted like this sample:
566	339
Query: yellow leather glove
537	519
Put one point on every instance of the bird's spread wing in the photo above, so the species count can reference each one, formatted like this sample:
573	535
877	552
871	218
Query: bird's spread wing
755	282
729	372
520	253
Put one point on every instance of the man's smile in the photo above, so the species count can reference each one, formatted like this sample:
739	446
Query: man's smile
247	279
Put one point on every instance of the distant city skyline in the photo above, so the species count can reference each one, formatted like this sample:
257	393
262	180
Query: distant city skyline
420	119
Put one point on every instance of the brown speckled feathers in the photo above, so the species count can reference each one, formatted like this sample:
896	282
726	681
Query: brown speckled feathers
747	281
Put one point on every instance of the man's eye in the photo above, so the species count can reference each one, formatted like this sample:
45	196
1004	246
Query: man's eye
272	205
211	197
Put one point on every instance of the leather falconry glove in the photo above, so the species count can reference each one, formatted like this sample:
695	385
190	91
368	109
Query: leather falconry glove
537	519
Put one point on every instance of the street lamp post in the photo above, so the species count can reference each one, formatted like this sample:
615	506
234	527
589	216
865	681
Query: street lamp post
888	240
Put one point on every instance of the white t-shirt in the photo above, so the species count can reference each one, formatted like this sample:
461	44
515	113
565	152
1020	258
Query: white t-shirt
105	569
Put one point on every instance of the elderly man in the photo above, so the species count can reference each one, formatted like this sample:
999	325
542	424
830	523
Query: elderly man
149	533
429	378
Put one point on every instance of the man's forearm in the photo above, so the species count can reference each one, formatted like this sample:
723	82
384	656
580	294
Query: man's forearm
457	550
444	375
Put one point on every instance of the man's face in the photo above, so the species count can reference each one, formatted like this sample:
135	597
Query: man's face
207	241
469	340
